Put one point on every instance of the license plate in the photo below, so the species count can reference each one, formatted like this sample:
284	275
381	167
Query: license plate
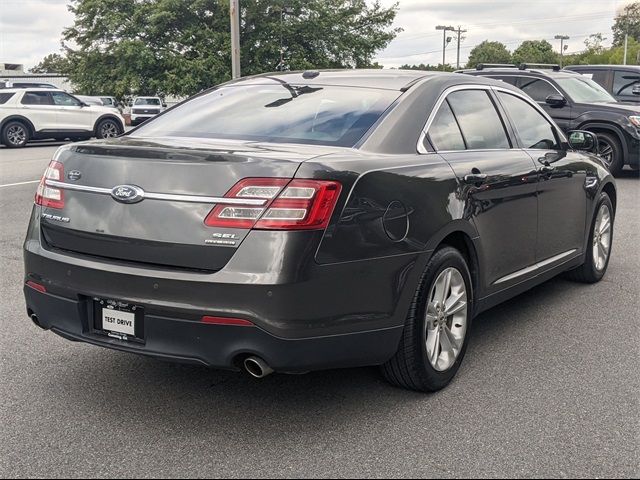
119	321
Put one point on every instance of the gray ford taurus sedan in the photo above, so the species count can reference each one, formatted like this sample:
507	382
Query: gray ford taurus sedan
313	220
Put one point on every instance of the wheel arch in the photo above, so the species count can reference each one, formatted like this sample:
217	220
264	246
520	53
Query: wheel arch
605	127
610	190
462	241
107	116
19	118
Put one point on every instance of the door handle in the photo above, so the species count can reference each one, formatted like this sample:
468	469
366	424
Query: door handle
475	178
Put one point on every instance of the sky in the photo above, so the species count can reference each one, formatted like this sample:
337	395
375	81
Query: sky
31	29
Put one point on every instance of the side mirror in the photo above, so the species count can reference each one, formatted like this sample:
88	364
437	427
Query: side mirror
164	105
556	101
584	141
636	89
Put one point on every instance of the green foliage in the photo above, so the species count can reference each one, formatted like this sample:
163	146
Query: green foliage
146	47
52	63
535	51
489	52
598	55
428	67
628	21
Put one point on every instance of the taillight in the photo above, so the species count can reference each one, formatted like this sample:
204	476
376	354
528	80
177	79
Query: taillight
48	196
290	205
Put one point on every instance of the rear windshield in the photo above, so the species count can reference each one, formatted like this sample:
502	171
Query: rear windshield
147	101
321	114
4	97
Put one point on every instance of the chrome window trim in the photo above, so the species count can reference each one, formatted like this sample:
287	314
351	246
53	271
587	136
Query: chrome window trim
160	196
423	135
536	266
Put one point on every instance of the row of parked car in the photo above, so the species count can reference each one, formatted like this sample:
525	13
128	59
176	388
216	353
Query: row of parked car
601	99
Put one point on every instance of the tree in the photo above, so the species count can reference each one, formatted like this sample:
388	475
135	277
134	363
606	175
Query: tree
428	67
489	52
52	63
175	47
627	22
535	51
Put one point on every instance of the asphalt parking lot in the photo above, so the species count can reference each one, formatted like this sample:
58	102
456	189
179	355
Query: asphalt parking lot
550	387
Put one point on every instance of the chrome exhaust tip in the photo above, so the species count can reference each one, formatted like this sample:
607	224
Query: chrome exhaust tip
257	368
34	319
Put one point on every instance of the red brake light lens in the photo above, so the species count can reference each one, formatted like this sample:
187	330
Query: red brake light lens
48	196
289	205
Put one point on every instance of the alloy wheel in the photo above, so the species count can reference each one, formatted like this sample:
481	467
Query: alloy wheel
605	150
16	135
446	319
109	130
602	238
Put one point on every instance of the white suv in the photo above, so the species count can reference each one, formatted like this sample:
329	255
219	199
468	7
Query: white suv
144	108
41	113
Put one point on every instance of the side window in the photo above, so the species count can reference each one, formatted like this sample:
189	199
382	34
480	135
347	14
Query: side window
479	121
537	89
4	97
533	129
444	132
64	100
623	82
36	98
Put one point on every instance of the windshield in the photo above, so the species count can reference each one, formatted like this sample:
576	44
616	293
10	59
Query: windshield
323	115
584	90
148	101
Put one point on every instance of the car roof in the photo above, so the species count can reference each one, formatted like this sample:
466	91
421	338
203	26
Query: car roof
30	89
369	78
519	72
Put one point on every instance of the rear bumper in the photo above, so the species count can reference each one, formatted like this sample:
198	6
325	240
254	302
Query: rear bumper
224	347
306	316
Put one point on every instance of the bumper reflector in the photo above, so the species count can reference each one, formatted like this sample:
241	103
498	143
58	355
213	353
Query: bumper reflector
36	286
239	322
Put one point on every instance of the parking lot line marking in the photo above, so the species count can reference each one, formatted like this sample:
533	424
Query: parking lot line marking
19	183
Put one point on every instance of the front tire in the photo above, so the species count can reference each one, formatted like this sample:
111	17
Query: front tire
610	150
437	329
599	247
108	128
15	134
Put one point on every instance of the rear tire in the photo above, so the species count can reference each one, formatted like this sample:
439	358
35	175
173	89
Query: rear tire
428	326
15	134
610	149
600	237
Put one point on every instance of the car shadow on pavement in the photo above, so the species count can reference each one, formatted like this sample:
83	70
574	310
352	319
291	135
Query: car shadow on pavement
172	395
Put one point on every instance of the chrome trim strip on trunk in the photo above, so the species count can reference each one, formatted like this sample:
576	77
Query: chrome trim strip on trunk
161	196
536	266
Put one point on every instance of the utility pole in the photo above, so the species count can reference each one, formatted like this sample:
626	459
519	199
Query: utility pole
234	14
626	48
562	38
445	29
460	32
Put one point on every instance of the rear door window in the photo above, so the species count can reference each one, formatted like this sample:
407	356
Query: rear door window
537	88
444	133
37	98
479	121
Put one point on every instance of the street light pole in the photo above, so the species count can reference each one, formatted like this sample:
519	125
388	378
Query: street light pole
460	32
234	15
562	38
444	29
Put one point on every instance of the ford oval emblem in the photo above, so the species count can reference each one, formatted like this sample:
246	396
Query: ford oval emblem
127	194
74	175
